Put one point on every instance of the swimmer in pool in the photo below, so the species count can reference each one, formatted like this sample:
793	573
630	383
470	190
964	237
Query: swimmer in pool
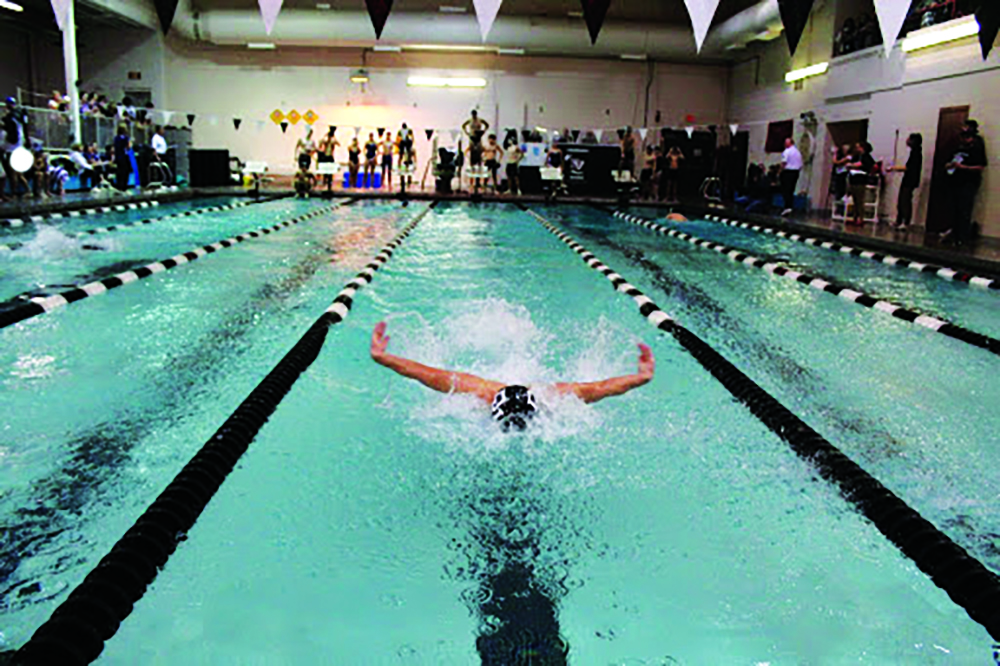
511	405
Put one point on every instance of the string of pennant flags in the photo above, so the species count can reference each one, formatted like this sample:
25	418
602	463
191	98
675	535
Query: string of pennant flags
794	17
310	118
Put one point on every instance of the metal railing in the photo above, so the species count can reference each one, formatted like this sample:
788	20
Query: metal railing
54	129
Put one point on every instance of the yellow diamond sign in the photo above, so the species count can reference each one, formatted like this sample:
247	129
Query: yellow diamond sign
277	116
293	117
310	117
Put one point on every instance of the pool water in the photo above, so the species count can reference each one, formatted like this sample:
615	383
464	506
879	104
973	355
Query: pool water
374	521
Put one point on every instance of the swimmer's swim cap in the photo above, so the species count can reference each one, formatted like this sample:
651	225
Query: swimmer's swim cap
513	406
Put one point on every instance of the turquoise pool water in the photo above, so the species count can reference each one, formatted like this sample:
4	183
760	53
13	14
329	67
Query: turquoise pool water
373	521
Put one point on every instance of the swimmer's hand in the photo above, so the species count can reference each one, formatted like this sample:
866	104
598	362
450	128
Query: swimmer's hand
647	364
379	342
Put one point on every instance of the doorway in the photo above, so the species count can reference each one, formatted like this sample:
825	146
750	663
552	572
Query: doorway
950	121
848	132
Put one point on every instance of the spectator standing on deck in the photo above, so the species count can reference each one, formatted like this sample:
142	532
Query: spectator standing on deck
123	162
966	171
13	130
911	180
859	170
791	167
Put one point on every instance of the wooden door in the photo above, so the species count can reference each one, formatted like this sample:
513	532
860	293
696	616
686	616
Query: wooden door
939	208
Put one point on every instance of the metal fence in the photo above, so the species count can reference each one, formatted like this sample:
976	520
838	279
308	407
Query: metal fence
54	129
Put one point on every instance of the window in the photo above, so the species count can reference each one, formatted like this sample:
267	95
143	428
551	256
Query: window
776	135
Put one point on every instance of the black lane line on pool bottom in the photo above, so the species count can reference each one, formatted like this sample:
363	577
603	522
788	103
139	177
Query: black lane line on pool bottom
969	584
42	217
949	274
77	630
935	324
42	304
139	223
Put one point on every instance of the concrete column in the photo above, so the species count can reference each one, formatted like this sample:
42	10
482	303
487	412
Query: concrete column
72	71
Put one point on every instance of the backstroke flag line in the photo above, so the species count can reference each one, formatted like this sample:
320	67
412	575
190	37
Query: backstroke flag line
794	16
269	10
594	12
486	13
989	20
61	9
378	11
701	12
165	10
891	14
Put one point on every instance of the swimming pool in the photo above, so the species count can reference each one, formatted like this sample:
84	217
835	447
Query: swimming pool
372	521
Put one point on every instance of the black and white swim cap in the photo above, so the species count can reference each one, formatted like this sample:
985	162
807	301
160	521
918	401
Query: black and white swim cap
513	406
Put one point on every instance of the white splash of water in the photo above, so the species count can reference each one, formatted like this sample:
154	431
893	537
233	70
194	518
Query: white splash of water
49	243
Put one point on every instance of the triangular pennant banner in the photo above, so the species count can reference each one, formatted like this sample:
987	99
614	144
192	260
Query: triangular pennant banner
598	133
260	125
643	132
378	11
357	131
61	9
429	133
269	10
333	129
794	16
989	21
381	131
165	9
701	12
486	13
167	115
575	134
284	126
689	130
594	12
734	129
454	135
891	14
236	123
191	118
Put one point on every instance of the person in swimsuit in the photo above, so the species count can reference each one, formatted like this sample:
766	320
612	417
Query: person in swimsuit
512	406
325	153
387	147
514	157
475	151
475	127
492	154
628	151
407	155
353	162
646	175
671	174
371	159
304	149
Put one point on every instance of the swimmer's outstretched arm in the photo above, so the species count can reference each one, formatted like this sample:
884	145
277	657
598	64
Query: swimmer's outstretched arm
445	381
594	391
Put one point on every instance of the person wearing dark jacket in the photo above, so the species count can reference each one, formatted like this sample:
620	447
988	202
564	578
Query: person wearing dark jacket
966	171
911	171
123	162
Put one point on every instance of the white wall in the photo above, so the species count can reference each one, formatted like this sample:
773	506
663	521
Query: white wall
903	93
553	93
106	56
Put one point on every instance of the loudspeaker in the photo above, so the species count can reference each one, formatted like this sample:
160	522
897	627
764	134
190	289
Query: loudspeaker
209	168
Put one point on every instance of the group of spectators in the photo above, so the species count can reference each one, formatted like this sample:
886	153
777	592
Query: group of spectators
856	34
862	32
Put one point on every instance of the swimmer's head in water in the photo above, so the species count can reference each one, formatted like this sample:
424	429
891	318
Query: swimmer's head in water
513	407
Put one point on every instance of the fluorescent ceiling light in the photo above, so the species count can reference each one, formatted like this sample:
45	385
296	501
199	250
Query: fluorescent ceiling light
806	72
541	130
322	5
12	6
445	82
262	46
633	56
448	47
449	9
383	48
946	32
510	51
574	14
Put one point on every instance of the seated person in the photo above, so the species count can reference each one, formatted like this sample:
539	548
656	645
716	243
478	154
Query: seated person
85	172
304	182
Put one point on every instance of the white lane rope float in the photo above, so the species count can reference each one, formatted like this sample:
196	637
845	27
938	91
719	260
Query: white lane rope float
42	217
936	324
43	304
92	613
965	579
139	223
949	274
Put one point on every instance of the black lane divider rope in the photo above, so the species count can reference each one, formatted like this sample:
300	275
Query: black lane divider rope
139	223
935	324
949	274
969	584
42	304
41	217
77	630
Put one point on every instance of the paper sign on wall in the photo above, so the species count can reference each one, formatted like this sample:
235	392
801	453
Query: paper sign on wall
277	116
269	10
701	12
293	117
310	117
891	14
